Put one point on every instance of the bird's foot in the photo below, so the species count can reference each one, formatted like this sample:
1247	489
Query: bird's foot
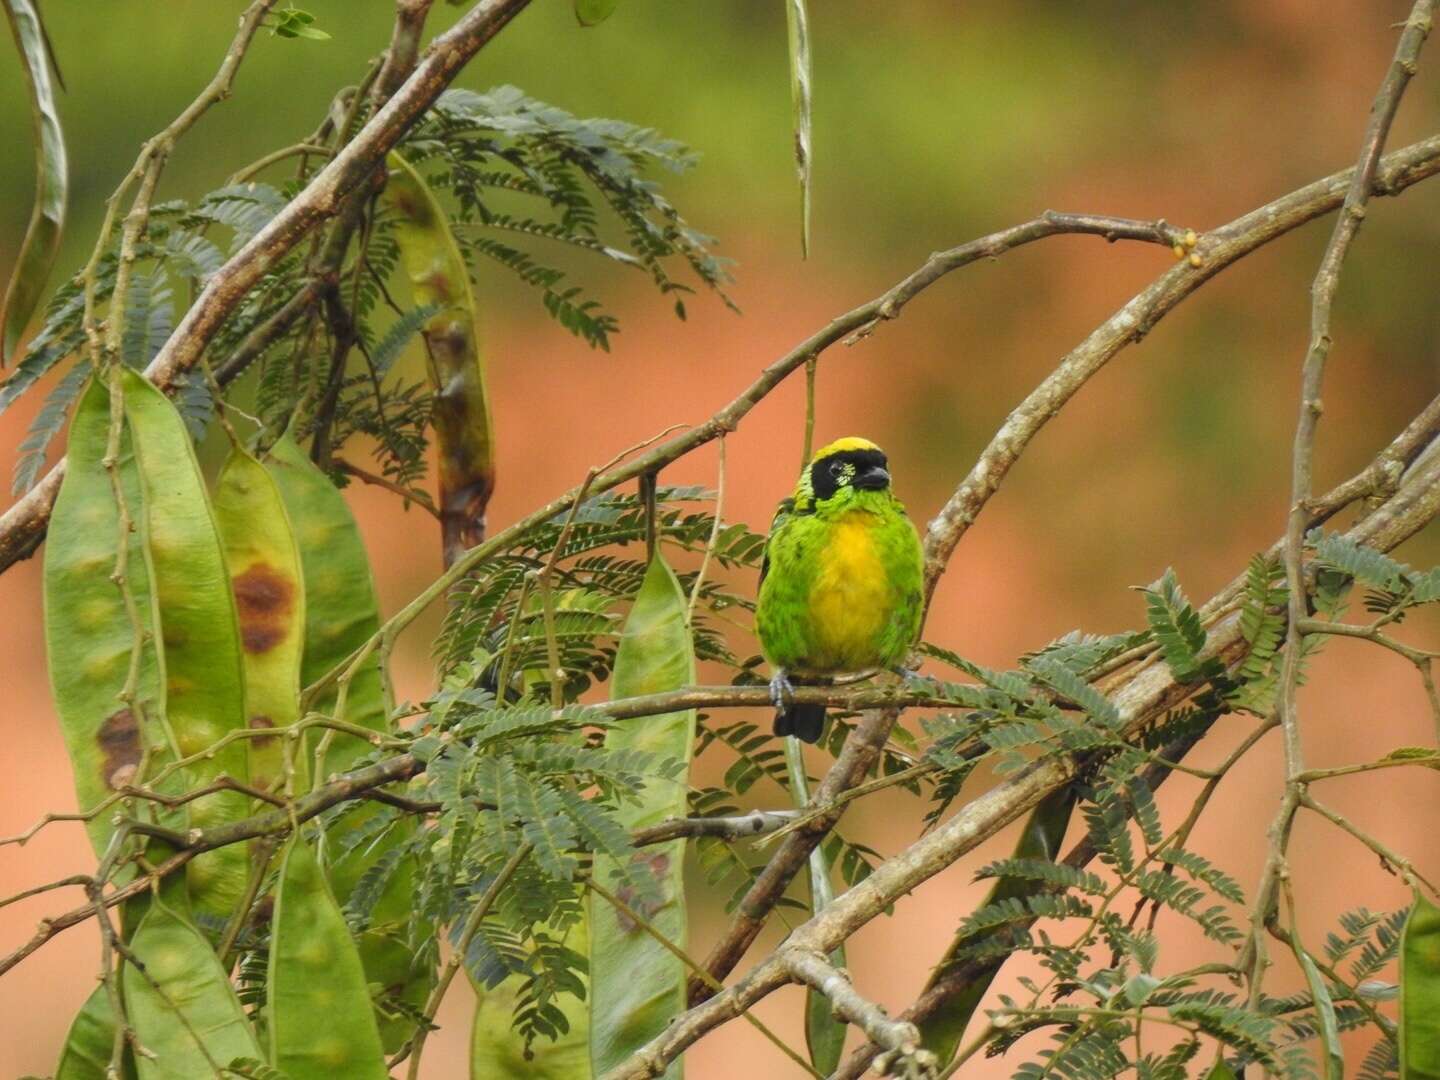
905	673
782	694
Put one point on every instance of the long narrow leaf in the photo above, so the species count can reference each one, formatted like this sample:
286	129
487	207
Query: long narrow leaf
52	180
1324	1012
797	20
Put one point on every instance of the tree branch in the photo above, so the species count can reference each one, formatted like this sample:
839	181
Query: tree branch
22	526
1142	696
1215	250
900	1037
734	827
1327	281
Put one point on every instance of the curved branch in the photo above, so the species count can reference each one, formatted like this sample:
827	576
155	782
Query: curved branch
1213	252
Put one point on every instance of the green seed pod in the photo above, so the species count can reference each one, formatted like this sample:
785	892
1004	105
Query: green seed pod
264	569
204	687
321	1021
341	610
341	614
88	632
90	1041
636	985
182	1006
1420	992
464	430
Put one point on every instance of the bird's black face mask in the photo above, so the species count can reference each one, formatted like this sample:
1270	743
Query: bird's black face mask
863	470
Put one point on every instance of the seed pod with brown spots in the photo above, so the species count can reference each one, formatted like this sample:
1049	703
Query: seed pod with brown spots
270	602
204	684
89	635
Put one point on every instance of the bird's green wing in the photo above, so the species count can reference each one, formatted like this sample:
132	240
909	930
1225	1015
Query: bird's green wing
783	513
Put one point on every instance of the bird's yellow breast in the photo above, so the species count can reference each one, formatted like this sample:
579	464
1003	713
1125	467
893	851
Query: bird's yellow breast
850	598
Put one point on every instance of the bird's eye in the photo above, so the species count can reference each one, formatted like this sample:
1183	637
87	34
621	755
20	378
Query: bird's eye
837	468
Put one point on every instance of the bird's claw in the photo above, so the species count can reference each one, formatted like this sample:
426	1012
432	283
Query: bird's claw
782	694
905	673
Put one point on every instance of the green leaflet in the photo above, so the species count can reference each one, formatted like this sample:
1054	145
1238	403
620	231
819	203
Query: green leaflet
341	614
636	985
89	1042
1420	992
88	633
1324	1010
594	12
496	1051
320	1017
463	427
47	217
270	604
824	1031
204	684
182	1006
1220	1071
1043	833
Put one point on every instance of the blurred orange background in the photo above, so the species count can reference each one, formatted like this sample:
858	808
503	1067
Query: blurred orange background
935	122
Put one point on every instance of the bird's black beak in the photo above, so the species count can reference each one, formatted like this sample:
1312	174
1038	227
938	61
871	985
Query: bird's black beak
874	478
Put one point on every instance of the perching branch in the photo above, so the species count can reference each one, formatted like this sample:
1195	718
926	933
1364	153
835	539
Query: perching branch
1142	696
1146	694
1215	250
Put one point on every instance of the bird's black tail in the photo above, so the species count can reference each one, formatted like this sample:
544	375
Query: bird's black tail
804	721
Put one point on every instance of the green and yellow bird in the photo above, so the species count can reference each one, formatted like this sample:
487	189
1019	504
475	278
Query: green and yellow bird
840	587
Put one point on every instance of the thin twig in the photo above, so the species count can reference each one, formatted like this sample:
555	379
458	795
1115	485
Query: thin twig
244	175
1327	280
410	495
1390	858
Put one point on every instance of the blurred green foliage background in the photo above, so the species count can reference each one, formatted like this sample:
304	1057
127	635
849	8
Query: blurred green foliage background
935	121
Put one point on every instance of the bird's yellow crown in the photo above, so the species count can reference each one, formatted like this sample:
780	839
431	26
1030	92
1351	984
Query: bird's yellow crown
840	446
